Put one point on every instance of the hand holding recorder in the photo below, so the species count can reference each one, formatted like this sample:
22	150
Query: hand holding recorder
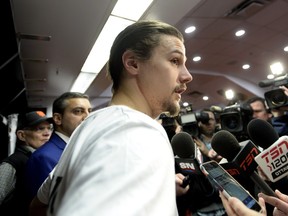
235	207
228	185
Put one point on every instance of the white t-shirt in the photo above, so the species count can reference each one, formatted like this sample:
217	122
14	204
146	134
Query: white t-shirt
118	162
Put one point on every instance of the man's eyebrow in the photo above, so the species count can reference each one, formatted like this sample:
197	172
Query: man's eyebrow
179	52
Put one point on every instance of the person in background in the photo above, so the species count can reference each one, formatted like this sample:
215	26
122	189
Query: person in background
33	130
280	116
120	159
68	111
203	141
277	117
260	111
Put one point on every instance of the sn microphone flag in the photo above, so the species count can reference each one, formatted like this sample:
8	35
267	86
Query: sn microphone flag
274	160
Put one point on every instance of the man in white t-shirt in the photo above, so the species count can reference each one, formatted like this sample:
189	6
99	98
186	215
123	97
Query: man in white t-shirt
119	161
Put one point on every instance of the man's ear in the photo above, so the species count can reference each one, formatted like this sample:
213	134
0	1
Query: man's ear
20	135
57	118
130	62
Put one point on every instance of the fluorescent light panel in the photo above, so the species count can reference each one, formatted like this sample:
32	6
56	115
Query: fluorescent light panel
101	49
131	9
124	13
83	81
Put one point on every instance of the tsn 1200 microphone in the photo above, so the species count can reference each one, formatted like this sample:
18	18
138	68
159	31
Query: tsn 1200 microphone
242	156
184	150
273	160
262	133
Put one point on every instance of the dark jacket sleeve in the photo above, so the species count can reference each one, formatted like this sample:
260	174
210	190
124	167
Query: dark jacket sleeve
280	124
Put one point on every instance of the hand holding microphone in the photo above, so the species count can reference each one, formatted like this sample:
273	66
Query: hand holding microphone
182	184
185	152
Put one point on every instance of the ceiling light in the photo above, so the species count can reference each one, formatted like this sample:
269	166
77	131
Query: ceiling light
185	104
190	29
270	76
196	58
240	33
277	68
124	14
205	98
126	9
229	94
83	81
286	49
246	66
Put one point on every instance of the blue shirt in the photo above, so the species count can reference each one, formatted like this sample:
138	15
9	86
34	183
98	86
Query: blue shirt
280	124
41	163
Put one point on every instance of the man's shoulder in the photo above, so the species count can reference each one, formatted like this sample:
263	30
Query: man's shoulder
18	158
48	148
114	113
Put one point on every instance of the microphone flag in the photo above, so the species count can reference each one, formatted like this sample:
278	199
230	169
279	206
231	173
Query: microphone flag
274	160
245	158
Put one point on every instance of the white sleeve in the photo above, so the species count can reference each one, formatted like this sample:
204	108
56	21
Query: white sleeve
43	191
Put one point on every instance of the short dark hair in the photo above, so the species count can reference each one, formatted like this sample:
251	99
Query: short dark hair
141	37
255	99
59	103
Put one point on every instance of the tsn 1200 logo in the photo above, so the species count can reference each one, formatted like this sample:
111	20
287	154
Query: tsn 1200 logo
276	156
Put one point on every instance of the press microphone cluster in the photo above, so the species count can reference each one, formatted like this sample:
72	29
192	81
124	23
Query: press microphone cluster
241	157
273	160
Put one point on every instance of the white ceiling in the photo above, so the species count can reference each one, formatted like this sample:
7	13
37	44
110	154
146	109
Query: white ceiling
73	26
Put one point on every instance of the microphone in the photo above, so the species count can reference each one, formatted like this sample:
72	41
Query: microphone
262	133
265	83
183	145
273	160
242	156
185	152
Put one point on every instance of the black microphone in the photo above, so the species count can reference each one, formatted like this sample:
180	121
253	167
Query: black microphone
262	133
266	83
273	160
184	150
183	145
242	156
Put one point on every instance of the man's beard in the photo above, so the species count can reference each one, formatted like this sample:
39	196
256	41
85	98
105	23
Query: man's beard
172	108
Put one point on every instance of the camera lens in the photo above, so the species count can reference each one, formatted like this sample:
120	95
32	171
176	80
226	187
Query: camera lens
276	98
231	123
279	98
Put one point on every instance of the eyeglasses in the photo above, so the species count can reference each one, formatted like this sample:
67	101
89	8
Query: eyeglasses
39	129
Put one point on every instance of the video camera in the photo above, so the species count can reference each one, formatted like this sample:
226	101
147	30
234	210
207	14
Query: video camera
276	97
169	124
189	121
235	119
